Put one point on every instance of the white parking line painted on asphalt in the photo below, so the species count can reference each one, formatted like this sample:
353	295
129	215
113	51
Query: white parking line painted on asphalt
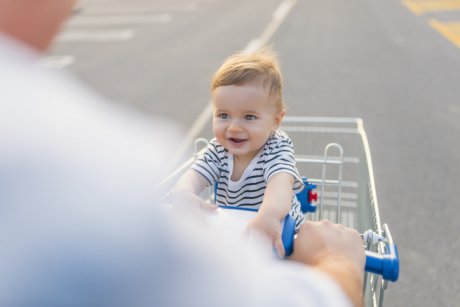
136	7
116	20
279	16
57	61
95	36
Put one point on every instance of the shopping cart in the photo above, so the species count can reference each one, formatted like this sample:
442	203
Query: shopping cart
334	154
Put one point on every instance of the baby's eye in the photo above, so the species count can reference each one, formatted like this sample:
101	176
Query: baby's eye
223	116
250	117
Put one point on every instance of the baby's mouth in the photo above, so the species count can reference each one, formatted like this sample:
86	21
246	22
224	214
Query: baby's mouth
237	140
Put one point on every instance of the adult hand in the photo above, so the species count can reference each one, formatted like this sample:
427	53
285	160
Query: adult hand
335	250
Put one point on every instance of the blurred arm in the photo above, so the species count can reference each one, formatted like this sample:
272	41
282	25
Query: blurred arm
187	189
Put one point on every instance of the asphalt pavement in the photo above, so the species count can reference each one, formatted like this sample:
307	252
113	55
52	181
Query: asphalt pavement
395	64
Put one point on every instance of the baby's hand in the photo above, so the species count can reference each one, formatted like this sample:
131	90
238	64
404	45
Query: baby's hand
189	200
269	226
188	204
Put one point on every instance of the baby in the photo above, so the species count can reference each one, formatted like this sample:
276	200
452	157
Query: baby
250	158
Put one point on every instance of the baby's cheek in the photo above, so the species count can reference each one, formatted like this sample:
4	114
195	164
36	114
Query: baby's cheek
263	132
216	127
218	132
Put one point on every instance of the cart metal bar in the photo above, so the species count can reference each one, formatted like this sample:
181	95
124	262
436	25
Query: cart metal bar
373	190
184	166
319	159
321	129
349	184
177	171
339	179
313	119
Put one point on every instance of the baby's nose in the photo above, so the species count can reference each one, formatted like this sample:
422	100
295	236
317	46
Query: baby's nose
234	126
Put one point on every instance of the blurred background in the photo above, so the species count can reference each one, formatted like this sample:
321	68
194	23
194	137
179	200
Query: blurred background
394	63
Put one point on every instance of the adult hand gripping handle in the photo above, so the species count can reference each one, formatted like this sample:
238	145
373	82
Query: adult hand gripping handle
386	264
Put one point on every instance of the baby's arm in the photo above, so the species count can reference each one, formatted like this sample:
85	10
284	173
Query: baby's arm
275	206
187	189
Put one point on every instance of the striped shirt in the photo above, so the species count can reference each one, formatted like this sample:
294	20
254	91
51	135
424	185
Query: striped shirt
277	156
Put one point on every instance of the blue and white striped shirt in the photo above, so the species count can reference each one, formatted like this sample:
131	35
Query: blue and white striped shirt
277	156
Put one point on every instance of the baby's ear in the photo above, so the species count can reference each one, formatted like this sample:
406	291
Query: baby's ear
279	118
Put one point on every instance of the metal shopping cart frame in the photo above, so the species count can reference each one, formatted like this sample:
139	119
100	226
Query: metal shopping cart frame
339	162
334	153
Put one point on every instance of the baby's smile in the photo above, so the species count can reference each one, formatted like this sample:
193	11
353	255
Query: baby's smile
237	140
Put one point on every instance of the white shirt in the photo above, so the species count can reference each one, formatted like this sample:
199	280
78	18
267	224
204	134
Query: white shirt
79	218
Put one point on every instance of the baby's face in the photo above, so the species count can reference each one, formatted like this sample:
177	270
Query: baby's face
244	117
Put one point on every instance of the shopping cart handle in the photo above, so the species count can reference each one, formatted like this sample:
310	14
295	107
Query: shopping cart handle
386	265
287	236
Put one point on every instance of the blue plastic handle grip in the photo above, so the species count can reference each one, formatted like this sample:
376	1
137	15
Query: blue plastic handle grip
288	234
386	265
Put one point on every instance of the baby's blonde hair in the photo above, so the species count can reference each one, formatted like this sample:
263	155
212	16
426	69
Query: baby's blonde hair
242	68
